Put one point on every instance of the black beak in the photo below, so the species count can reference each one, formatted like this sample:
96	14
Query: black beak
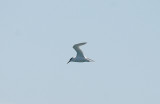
68	61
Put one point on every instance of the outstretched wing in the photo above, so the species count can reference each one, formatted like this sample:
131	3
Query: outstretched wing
78	50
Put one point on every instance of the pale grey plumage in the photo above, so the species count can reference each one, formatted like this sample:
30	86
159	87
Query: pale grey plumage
80	56
78	50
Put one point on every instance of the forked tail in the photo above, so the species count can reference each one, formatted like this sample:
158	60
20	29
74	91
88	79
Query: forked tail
90	60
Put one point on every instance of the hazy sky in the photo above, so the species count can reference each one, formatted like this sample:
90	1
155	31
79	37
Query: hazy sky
36	39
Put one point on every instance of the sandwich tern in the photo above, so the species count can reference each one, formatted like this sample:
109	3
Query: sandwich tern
80	56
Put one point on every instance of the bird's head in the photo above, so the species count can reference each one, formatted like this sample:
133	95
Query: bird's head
70	60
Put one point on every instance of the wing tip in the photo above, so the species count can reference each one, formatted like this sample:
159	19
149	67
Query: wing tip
83	43
79	44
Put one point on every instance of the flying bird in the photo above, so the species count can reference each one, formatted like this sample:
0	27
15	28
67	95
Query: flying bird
80	56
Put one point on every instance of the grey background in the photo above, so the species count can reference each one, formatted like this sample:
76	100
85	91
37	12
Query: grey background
36	39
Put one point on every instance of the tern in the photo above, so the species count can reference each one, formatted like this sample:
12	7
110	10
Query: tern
80	56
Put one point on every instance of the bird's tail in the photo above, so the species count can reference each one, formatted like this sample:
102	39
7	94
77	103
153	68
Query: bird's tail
90	60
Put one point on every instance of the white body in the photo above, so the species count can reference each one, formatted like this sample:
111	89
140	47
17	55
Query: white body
80	57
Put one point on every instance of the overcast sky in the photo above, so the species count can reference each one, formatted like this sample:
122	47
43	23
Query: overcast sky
36	39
